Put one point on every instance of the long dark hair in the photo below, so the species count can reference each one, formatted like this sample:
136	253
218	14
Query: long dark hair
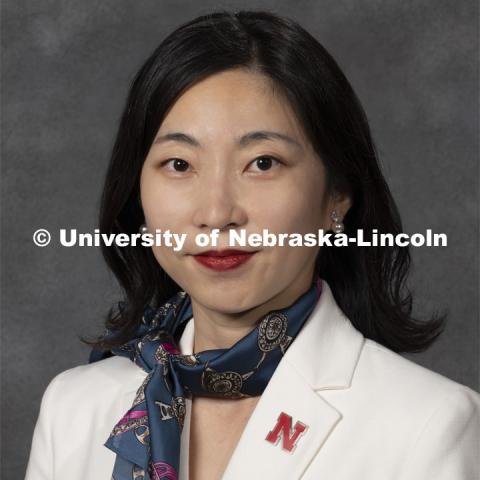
368	283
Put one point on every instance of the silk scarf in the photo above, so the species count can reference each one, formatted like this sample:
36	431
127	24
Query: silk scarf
146	439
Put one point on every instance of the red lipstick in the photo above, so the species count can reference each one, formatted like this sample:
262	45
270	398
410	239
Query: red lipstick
221	260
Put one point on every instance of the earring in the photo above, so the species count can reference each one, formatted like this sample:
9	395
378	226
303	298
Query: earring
143	229
338	226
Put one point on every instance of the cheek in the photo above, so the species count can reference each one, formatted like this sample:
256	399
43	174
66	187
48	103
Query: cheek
297	207
163	208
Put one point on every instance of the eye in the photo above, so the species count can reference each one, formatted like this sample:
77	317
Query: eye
177	164
265	162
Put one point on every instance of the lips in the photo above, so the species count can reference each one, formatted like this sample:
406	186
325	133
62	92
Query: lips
221	260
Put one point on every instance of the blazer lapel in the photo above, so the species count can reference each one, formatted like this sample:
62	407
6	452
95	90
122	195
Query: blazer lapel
286	397
292	421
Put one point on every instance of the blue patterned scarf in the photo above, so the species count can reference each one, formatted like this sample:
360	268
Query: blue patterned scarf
147	438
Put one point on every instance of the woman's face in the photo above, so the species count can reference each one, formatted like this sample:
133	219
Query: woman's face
273	182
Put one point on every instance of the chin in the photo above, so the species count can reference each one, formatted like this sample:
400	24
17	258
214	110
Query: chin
227	302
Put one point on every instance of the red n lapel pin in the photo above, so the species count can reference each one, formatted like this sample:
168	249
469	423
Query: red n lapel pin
283	428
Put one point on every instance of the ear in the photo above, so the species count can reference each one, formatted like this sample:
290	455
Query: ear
341	203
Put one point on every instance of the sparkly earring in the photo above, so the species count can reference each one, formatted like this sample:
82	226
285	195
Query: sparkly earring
143	229
338	226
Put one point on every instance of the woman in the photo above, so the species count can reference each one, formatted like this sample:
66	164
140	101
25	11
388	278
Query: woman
261	363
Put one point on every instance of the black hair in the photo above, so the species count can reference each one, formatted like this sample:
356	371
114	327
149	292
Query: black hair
368	283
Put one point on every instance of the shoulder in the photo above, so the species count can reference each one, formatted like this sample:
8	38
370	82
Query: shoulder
438	417
105	380
422	423
78	410
392	368
403	404
407	387
115	369
108	372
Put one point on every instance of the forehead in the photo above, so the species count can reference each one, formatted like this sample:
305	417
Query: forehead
231	102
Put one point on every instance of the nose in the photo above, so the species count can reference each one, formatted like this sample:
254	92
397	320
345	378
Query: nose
218	204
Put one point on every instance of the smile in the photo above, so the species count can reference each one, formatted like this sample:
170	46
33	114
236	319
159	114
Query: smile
224	259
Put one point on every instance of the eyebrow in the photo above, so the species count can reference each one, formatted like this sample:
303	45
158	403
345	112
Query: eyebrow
243	141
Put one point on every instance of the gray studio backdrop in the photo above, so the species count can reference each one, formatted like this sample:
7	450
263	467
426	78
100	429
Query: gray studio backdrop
66	68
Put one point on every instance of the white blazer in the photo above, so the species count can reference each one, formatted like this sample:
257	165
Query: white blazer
366	413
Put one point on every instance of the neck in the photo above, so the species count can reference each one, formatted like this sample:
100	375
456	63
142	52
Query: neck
218	330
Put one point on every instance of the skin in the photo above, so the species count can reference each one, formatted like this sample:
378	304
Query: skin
222	185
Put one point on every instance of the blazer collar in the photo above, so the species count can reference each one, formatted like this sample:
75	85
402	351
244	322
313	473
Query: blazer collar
326	350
